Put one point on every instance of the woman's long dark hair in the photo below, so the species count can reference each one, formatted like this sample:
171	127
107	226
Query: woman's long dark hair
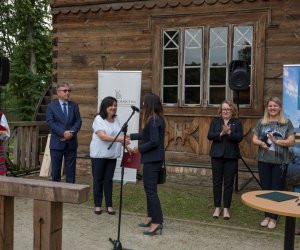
152	107
106	102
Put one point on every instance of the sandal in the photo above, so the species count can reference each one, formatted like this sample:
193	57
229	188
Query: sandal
265	222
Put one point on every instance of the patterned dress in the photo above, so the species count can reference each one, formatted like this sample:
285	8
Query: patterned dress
4	135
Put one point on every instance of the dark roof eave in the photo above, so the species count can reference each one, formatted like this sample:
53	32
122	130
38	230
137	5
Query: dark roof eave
66	9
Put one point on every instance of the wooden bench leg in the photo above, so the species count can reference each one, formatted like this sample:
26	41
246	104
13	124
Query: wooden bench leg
6	222
47	225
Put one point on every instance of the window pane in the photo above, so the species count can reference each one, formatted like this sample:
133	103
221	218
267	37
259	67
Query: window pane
244	97
170	95
193	57
192	95
170	76
171	39
243	35
217	76
193	38
218	37
242	50
217	56
192	76
242	53
216	95
170	58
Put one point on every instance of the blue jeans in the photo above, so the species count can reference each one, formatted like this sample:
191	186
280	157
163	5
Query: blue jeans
272	177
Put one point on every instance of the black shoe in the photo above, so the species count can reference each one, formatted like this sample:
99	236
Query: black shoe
145	224
151	233
111	212
98	212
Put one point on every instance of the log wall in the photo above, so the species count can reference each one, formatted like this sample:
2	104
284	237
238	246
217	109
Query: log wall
90	35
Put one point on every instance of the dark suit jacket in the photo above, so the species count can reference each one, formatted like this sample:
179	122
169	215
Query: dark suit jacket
58	124
226	146
152	144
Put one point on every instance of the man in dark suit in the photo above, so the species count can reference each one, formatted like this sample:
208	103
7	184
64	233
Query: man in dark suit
64	121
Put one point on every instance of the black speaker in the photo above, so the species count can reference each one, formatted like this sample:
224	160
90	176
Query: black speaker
239	75
4	70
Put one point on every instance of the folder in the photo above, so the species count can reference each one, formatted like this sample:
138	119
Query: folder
131	160
277	196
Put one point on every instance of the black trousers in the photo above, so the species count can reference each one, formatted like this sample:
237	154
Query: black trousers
223	172
70	156
150	176
103	172
272	177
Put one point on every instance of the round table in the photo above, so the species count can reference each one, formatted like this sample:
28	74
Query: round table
288	208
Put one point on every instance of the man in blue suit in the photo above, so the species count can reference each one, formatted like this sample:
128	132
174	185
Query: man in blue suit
64	121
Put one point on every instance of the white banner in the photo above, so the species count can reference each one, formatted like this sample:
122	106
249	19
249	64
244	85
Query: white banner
125	86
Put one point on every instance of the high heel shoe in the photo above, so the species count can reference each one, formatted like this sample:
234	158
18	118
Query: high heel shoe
226	214
145	224
153	232
217	213
111	212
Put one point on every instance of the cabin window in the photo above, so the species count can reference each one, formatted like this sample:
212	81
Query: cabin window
195	64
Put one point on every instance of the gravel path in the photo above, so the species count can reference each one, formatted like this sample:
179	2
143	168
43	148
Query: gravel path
83	230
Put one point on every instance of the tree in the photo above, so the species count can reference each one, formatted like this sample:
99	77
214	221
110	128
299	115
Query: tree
25	38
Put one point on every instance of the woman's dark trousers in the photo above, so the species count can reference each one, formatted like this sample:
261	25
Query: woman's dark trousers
223	171
150	176
272	177
103	172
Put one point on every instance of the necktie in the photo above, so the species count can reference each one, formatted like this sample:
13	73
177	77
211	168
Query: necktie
65	110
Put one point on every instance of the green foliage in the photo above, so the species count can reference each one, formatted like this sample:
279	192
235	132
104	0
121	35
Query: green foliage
25	37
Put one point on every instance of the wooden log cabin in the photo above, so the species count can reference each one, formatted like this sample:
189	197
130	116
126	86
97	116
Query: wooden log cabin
184	49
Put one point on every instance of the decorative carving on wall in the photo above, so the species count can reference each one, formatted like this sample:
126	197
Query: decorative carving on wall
183	133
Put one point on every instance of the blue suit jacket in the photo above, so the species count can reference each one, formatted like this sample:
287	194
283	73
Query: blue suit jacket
58	124
152	144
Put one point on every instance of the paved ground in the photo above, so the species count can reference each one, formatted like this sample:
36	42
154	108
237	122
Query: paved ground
83	230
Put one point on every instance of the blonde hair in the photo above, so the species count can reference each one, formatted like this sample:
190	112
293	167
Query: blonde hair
233	107
280	116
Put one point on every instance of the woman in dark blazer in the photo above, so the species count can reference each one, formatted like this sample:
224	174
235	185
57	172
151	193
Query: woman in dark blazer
152	157
225	132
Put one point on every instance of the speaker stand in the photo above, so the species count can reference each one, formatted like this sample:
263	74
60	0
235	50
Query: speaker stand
237	189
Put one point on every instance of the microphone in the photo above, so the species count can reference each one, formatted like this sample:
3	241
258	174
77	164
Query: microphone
134	108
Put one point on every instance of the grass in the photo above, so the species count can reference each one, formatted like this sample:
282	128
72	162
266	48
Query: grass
183	201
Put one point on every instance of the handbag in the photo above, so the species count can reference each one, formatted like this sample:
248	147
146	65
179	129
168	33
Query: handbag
162	175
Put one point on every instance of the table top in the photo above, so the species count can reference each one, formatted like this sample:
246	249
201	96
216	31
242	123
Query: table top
287	208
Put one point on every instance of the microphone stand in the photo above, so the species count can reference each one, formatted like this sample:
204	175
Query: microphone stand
117	243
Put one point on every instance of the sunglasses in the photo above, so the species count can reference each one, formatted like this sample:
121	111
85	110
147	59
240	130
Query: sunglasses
65	90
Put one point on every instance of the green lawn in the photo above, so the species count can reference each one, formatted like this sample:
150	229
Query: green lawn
191	202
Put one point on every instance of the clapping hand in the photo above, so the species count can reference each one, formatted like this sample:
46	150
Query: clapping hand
226	130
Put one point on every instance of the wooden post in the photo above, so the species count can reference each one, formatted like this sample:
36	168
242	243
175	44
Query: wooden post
48	199
47	225
6	222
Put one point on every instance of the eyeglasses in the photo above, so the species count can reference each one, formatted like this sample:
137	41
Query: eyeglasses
65	90
226	110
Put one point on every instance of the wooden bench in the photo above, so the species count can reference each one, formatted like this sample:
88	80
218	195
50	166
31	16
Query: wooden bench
48	199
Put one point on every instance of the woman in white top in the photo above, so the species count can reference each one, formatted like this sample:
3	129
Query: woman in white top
4	135
105	127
